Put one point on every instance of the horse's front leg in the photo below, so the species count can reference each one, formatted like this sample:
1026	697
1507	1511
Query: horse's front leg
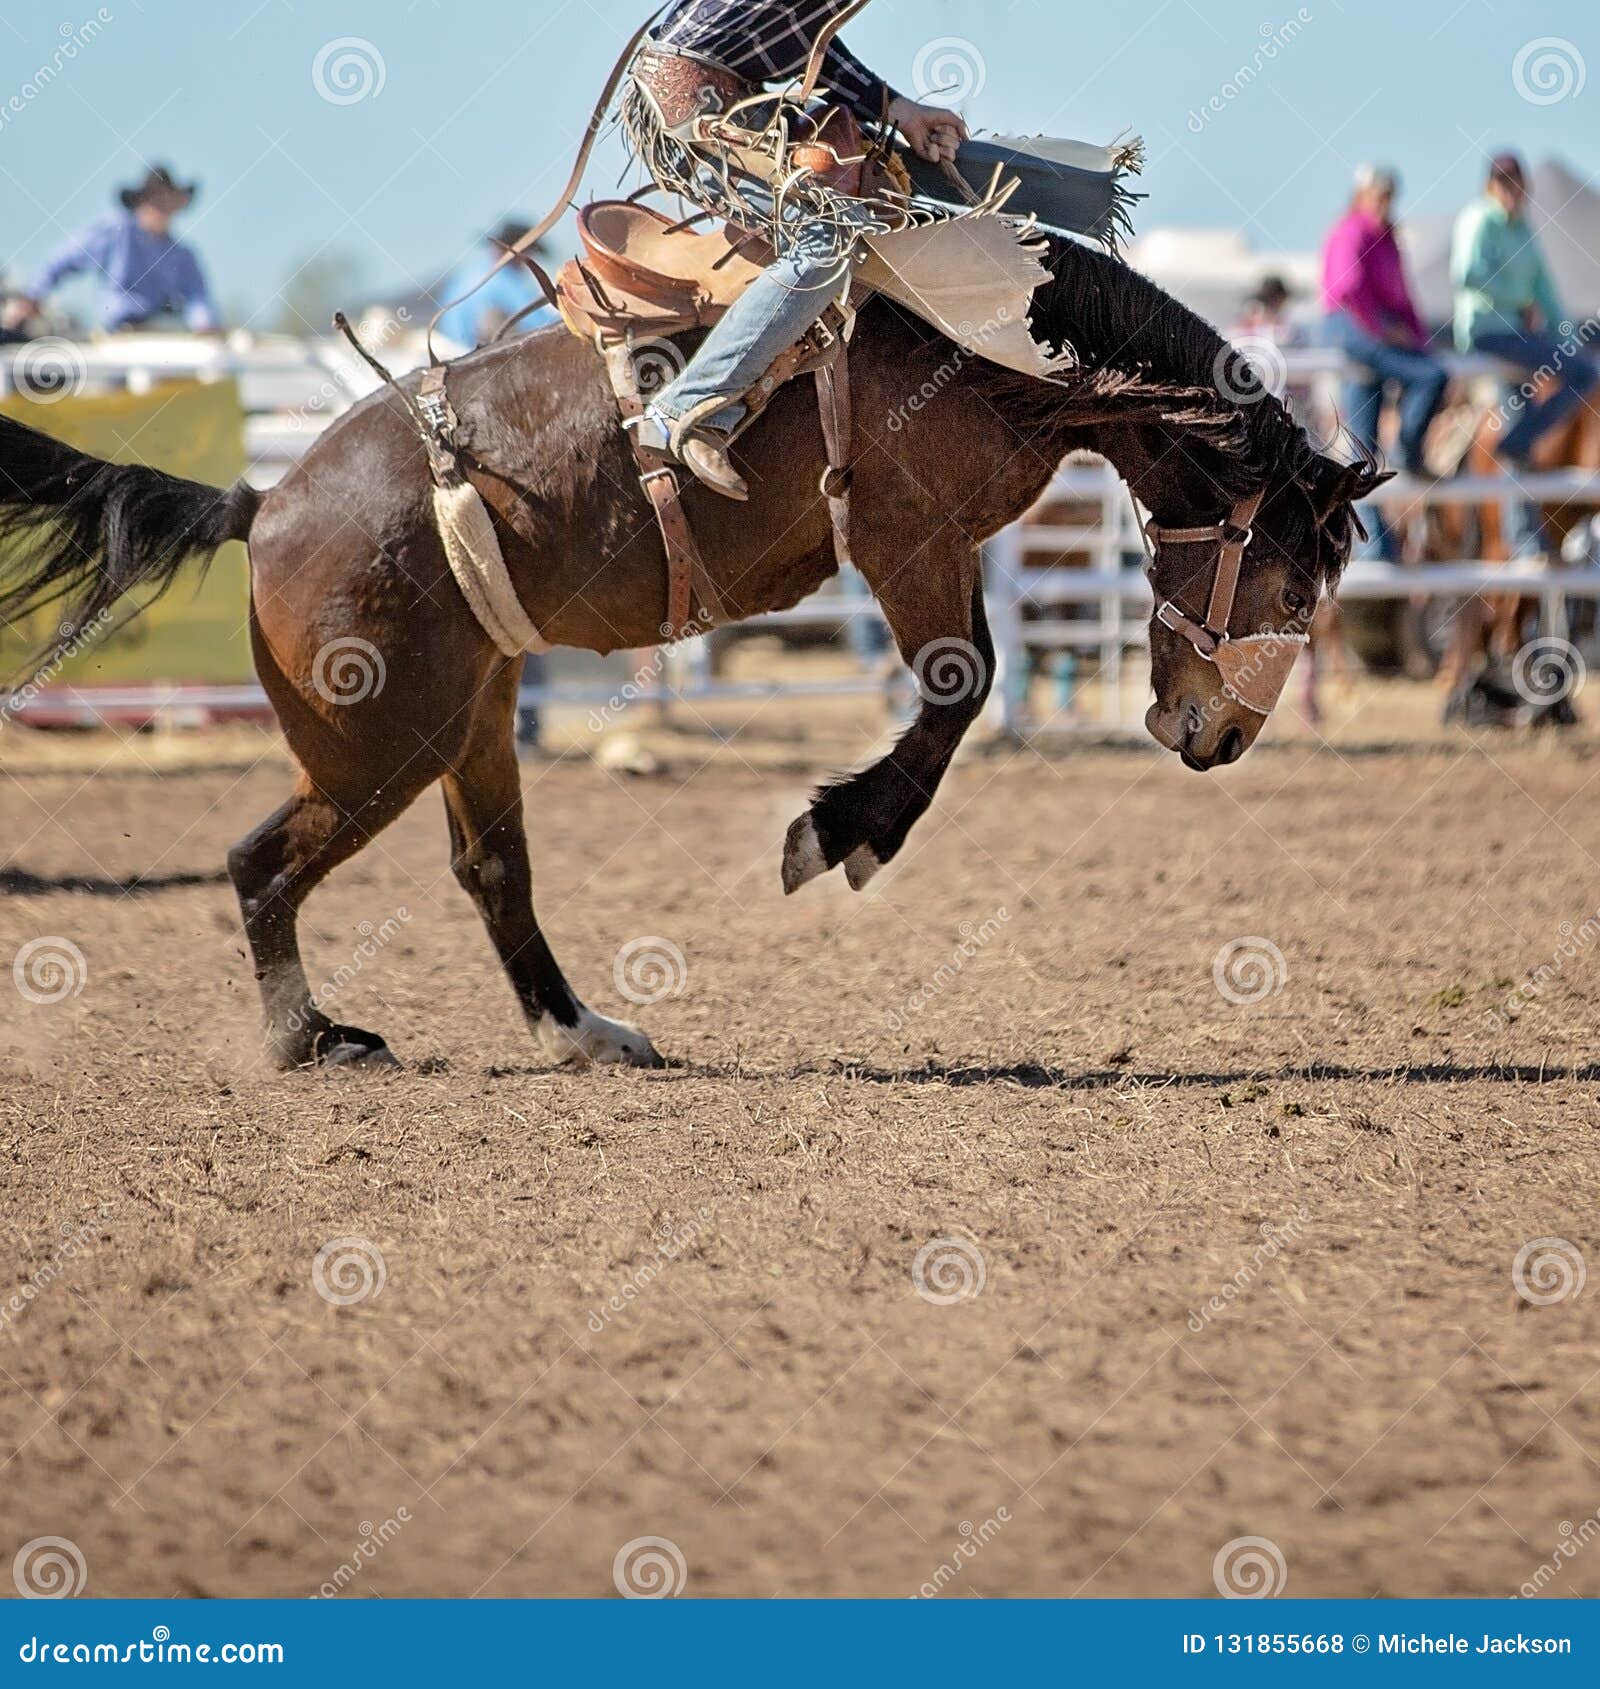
863	819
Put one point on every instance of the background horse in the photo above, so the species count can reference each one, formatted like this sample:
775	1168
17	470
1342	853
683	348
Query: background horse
384	682
1490	628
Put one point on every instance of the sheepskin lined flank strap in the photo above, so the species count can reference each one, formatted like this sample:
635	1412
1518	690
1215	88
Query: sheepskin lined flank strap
465	527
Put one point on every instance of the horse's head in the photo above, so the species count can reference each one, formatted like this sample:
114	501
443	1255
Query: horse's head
1236	586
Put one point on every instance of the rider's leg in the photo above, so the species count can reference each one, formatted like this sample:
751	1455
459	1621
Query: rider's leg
1575	376
1422	383
1363	410
769	317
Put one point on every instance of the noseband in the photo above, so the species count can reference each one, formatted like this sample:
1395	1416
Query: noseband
1255	667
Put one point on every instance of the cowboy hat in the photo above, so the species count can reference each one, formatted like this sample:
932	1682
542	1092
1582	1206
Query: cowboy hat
157	179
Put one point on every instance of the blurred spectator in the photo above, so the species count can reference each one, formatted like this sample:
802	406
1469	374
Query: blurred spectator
476	321
1506	306
1372	319
144	274
1266	316
8	336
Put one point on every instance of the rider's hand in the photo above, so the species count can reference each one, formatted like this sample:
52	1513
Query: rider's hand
933	132
18	311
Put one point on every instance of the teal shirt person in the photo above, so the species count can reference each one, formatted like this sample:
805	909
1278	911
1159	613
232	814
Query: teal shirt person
1498	271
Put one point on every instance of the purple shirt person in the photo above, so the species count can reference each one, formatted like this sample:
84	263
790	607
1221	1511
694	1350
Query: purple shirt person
143	272
1364	275
1372	319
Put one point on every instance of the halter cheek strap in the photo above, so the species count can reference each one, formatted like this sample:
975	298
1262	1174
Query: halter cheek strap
1231	537
1255	668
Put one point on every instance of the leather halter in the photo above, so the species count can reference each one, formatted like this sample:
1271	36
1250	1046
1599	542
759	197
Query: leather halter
1231	539
1254	667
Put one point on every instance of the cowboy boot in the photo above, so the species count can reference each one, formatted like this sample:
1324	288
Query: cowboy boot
701	450
708	459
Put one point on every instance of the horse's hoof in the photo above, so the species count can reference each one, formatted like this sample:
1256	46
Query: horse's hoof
350	1046
596	1041
369	1056
803	856
860	865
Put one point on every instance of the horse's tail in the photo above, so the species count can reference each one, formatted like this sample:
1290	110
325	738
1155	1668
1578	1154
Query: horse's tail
77	528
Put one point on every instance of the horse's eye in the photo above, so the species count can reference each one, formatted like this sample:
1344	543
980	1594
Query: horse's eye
1296	603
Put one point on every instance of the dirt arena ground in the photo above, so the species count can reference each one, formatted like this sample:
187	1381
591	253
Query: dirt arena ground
1201	1269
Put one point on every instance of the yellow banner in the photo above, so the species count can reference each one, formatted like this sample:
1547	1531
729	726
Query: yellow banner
200	630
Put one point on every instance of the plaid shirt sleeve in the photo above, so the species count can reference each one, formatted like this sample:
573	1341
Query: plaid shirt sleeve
770	41
865	93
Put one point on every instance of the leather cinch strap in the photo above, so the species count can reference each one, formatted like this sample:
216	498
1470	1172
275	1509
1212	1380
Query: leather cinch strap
686	572
838	436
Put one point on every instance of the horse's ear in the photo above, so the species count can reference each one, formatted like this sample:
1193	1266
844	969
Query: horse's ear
1366	479
1346	483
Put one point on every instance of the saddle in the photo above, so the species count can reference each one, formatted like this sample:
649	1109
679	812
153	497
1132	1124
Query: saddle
641	271
643	277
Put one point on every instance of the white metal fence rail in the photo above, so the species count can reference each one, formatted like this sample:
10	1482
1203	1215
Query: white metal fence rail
291	389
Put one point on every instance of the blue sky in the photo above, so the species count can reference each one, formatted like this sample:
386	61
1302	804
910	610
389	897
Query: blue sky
481	103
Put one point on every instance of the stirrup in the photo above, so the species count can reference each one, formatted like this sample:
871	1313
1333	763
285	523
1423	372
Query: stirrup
649	433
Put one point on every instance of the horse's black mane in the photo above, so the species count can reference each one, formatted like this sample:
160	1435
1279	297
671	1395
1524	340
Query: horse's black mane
1132	338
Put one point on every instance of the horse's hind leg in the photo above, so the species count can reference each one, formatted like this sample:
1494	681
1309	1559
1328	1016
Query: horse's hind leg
274	870
489	853
863	821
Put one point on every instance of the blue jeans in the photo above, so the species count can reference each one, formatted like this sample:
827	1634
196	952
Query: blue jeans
1575	376
768	317
1421	380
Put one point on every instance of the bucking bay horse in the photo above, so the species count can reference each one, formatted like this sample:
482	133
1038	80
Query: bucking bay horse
347	568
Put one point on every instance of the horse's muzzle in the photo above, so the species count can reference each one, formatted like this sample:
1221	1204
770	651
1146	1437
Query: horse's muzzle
1256	668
